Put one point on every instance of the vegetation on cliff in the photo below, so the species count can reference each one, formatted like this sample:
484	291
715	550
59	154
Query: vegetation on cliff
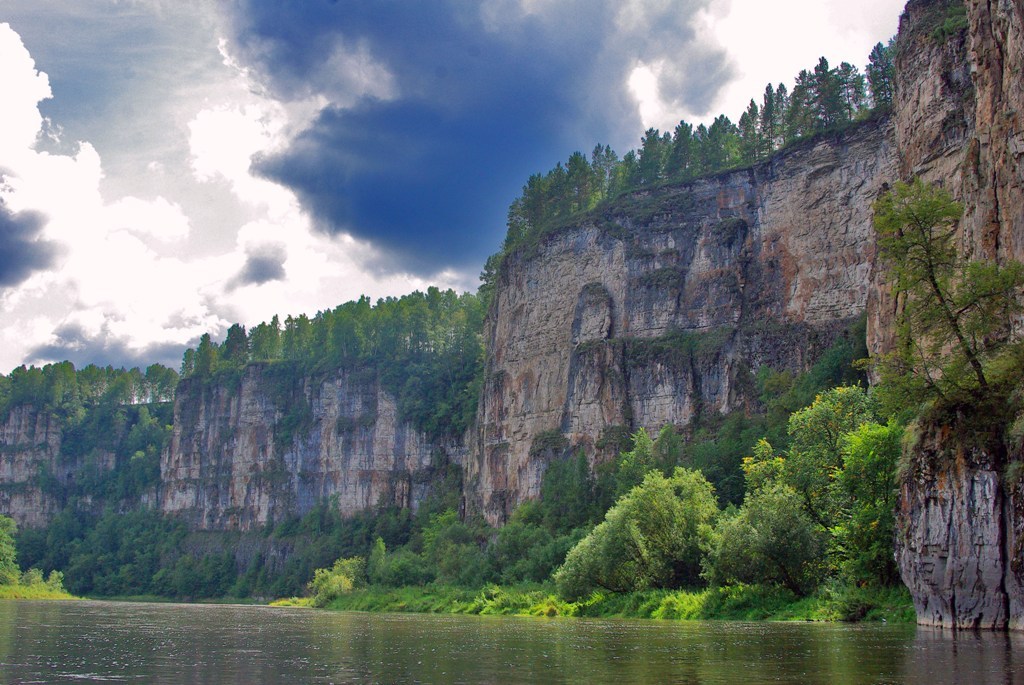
824	99
426	348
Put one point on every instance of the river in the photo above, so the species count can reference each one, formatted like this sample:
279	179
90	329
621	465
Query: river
103	642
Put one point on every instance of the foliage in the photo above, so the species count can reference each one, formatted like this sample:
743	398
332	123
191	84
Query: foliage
653	537
735	602
867	482
426	348
344	576
953	330
770	540
9	572
815	454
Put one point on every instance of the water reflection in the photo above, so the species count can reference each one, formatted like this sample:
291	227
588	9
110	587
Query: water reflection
103	642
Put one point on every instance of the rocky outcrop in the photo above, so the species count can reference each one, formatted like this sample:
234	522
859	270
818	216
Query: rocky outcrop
960	520
30	448
663	306
960	531
271	447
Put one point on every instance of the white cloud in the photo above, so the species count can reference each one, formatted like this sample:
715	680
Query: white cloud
133	271
768	42
23	88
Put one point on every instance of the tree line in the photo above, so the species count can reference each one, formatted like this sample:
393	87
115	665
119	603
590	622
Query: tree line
426	348
824	98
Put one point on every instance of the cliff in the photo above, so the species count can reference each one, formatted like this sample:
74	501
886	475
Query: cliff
30	442
663	305
655	309
961	512
269	446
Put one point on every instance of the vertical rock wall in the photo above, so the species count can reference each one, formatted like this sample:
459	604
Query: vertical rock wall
961	512
270	448
665	304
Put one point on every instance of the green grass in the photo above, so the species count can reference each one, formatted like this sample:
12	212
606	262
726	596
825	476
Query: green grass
40	591
738	603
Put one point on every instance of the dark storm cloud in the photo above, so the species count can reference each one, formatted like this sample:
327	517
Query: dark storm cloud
22	251
480	95
81	349
262	264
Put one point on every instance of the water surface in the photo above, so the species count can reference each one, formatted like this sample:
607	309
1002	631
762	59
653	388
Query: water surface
83	642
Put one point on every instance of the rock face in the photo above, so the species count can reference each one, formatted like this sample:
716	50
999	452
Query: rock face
30	445
960	533
961	515
269	448
663	306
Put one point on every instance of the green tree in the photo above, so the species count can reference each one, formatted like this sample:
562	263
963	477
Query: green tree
330	583
881	74
770	540
235	351
654	537
868	483
634	465
953	327
9	571
815	454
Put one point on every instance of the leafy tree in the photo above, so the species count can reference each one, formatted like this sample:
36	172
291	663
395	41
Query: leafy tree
9	571
867	481
330	583
815	453
953	327
653	537
770	540
635	464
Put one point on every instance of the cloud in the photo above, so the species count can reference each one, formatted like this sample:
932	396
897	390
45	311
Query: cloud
22	251
434	114
81	347
263	264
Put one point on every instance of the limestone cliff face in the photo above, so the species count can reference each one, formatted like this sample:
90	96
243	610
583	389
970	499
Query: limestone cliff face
29	444
960	542
961	519
663	306
266	449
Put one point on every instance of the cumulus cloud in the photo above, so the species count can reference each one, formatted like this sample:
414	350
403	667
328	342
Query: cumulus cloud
436	113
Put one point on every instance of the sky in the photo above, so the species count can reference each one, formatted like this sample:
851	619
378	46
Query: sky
171	167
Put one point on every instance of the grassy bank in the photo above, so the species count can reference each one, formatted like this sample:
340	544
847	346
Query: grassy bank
742	603
40	591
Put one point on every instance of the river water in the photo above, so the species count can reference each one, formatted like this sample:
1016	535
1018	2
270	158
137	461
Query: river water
83	642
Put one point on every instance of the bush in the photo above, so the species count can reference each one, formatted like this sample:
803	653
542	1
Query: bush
771	540
653	537
344	576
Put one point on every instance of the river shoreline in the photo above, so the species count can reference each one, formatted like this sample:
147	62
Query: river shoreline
741	603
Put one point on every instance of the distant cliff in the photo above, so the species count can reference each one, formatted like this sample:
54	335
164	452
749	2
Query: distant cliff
272	446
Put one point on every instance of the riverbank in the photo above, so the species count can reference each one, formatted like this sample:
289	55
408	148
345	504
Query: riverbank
33	592
741	603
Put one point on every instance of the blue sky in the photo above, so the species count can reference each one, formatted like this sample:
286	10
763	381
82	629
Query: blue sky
169	167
